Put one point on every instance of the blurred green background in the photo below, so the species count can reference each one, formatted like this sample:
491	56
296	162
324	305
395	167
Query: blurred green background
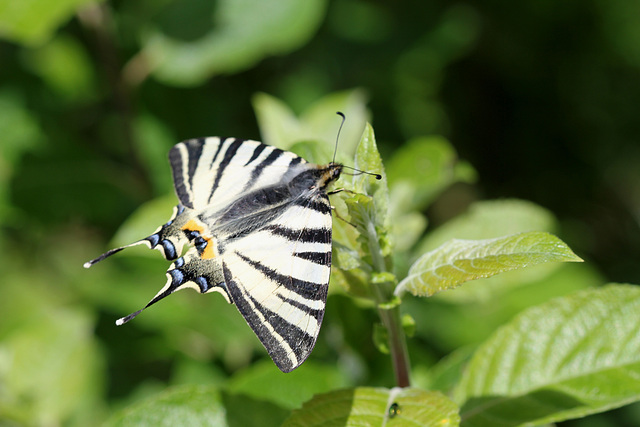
541	98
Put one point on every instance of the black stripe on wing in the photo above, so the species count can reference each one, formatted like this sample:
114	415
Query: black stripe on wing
274	348
259	168
304	288
306	235
194	151
221	142
298	339
318	204
228	155
256	153
321	258
190	160
265	322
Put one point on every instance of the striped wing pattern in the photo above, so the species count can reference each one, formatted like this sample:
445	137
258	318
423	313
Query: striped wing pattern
257	221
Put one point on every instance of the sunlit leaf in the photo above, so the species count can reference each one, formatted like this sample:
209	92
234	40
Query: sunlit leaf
189	406
368	159
241	33
279	126
33	21
470	322
459	261
567	358
64	64
427	165
52	351
375	407
488	219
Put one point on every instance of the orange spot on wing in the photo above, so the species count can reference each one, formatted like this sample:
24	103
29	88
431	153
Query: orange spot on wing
209	251
193	226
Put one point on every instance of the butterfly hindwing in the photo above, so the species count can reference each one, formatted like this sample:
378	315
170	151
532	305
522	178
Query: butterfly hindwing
257	221
278	277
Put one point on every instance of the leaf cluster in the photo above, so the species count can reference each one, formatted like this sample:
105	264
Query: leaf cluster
556	360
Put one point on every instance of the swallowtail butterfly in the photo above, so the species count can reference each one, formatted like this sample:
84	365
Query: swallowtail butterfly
257	221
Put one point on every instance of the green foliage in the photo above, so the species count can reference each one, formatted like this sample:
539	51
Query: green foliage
281	127
365	406
180	406
239	37
567	358
93	94
459	261
262	382
33	21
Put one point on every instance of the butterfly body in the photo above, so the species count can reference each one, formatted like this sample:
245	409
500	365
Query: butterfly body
257	221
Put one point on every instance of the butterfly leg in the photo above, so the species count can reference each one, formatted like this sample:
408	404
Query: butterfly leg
335	212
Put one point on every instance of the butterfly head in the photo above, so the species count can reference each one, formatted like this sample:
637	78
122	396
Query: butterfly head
331	173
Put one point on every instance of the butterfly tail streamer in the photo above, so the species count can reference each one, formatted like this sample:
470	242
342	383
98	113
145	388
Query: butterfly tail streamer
187	272
110	252
168	239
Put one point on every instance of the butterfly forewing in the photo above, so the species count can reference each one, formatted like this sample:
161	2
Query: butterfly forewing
258	223
214	171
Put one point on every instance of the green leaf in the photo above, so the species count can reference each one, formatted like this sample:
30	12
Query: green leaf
365	406
153	141
368	209
451	326
243	410
49	368
319	122
348	270
20	133
240	34
362	245
263	381
567	358
459	261
32	22
372	248
409	325
428	165
64	64
381	338
144	221
368	159
446	374
189	405
490	219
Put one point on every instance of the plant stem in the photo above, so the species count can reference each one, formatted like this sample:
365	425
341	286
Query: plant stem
390	316
397	344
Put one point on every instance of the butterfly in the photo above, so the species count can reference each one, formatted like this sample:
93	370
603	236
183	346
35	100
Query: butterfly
257	223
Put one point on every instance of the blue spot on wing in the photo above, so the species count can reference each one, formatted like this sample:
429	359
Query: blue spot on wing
169	249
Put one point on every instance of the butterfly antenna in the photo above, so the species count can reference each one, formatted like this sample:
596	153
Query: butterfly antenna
335	151
358	172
